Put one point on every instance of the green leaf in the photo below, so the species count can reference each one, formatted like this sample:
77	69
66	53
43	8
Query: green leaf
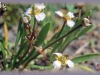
22	47
83	31
4	55
32	54
56	46
85	68
64	31
41	67
43	34
19	32
84	58
20	35
71	8
68	39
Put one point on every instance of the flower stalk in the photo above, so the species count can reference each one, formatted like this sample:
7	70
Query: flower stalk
61	29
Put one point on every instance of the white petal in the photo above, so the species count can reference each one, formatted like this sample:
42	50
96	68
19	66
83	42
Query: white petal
71	15
87	24
59	13
70	63
70	23
56	64
25	20
58	54
37	17
42	6
42	16
39	6
28	11
86	20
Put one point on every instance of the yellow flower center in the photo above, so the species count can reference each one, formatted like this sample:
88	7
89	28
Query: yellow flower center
35	11
62	59
66	16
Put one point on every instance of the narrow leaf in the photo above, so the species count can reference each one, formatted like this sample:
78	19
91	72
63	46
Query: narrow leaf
42	34
86	68
83	31
4	55
84	58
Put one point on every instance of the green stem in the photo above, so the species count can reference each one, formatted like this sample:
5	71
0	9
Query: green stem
62	37
61	29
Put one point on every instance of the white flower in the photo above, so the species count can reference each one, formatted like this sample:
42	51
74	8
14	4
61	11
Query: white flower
61	60
86	22
39	15
68	17
36	11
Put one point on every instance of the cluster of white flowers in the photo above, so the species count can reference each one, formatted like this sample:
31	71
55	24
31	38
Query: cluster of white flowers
61	60
3	6
37	11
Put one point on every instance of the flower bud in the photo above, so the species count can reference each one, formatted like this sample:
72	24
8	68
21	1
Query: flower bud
25	20
86	22
28	36
27	26
80	5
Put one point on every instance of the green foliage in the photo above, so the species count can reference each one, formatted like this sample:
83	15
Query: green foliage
71	8
84	58
42	35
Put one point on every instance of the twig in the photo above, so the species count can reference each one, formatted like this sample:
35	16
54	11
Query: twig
79	15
